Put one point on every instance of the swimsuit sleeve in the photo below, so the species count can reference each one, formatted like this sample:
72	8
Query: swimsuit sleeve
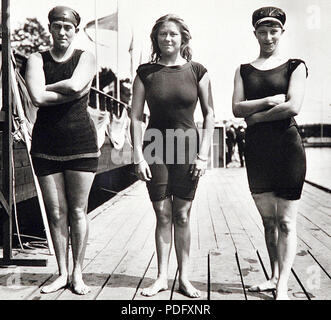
199	70
294	63
142	71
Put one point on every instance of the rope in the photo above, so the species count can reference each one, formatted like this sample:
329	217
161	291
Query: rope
14	201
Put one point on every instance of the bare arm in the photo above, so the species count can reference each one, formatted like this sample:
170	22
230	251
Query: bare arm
35	81
243	108
81	78
207	108
293	104
137	112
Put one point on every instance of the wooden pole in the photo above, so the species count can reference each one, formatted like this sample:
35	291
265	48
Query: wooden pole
7	149
96	54
118	84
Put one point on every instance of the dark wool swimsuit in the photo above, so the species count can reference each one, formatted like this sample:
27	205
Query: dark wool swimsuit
274	153
172	94
64	136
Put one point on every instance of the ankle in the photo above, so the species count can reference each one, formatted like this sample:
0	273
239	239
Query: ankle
162	277
64	274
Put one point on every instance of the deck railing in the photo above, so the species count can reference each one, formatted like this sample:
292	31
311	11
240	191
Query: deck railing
110	103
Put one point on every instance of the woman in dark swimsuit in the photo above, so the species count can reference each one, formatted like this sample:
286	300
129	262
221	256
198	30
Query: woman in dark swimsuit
268	93
172	84
64	144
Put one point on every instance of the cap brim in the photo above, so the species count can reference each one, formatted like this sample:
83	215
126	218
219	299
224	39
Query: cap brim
271	19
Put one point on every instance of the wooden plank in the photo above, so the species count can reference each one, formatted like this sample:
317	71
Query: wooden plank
294	287
19	282
315	216
103	230
318	249
198	276
225	282
103	266
25	191
125	280
306	227
316	283
315	195
207	240
251	271
23	175
21	158
150	277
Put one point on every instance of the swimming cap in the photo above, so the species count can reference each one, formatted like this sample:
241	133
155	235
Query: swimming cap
268	14
61	13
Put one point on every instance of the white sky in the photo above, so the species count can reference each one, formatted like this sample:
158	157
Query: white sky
222	39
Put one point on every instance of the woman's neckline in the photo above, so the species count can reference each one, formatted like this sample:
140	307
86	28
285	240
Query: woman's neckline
280	65
173	66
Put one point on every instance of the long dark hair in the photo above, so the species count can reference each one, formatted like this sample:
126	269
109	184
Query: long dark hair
185	50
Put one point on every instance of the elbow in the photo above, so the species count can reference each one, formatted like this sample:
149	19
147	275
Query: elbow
74	89
293	109
293	112
237	111
37	101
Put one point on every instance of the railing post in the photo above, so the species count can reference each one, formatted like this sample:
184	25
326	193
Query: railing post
7	140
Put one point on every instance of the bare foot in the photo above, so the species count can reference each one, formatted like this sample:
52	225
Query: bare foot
78	286
265	286
188	290
160	284
59	283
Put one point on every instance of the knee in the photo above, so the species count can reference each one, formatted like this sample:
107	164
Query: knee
286	226
57	215
164	219
181	219
77	213
163	216
270	224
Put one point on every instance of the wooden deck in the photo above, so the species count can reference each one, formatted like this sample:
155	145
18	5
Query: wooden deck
228	252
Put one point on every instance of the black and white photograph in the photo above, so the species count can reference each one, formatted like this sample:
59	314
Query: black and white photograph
165	155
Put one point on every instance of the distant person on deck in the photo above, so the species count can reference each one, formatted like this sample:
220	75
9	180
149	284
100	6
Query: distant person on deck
64	142
240	140
230	143
172	84
268	93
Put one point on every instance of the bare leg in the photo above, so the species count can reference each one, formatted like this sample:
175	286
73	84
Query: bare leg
78	185
163	241
287	241
181	217
266	203
53	190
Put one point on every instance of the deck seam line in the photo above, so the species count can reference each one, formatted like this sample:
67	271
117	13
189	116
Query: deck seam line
318	186
110	274
300	284
143	277
320	265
